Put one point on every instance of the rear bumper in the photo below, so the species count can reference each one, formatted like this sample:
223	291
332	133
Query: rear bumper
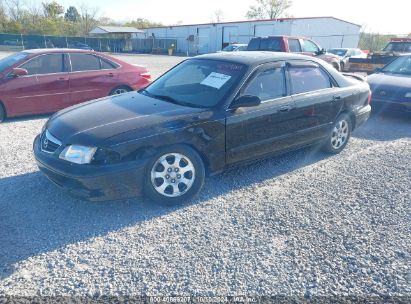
362	115
93	183
383	104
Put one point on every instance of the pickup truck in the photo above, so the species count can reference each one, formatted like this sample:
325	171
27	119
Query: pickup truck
293	44
392	50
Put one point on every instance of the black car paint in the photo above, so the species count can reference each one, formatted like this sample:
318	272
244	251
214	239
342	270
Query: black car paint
135	126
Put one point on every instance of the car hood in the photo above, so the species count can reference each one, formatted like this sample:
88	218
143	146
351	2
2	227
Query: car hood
389	86
97	122
328	56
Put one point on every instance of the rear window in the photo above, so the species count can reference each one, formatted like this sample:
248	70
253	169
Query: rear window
254	44
272	44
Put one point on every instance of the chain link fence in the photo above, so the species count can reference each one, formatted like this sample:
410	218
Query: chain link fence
18	42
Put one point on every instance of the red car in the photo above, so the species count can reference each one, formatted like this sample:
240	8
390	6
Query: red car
45	81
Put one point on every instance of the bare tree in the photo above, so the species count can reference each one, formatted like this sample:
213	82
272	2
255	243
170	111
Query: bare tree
88	18
16	10
217	16
268	9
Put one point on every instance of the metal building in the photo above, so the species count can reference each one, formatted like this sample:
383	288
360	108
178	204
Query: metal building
205	38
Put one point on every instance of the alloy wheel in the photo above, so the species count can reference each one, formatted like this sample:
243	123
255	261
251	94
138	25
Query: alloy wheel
172	175
339	134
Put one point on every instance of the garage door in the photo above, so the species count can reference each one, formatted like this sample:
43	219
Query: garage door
230	35
203	40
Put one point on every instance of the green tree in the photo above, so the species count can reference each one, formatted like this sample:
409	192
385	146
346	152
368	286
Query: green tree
52	10
72	14
268	9
142	23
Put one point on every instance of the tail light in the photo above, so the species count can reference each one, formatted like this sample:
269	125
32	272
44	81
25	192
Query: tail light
146	75
369	98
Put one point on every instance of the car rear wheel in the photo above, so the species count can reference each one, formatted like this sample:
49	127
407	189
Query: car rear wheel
120	90
2	113
339	135
174	175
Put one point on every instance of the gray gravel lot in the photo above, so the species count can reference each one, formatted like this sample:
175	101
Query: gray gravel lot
300	224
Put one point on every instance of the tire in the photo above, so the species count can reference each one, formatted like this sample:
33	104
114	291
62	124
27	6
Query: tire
119	90
164	181
2	113
336	66
339	135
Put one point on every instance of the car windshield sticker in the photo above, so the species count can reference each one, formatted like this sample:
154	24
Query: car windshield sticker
215	80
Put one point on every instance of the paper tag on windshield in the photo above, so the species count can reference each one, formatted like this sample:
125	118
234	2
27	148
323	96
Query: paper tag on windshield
215	80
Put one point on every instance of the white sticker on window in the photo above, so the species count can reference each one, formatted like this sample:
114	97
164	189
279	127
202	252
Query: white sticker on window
215	80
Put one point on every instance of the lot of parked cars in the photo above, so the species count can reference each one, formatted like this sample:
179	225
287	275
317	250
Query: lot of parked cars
163	138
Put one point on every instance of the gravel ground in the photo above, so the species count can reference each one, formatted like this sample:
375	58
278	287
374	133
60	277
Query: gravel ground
300	224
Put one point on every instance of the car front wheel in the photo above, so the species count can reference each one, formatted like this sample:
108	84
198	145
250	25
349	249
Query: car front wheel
2	113
174	175
339	135
120	90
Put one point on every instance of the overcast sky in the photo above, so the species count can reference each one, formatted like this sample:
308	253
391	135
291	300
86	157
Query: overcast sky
391	17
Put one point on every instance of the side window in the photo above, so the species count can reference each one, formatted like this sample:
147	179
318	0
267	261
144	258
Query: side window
84	62
268	84
44	64
107	65
310	46
306	79
294	45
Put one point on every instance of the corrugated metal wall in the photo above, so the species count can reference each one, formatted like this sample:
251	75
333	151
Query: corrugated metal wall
328	32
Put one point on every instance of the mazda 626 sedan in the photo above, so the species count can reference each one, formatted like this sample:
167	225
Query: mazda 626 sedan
204	115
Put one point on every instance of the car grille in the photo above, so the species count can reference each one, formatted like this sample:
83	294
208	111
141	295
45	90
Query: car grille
49	143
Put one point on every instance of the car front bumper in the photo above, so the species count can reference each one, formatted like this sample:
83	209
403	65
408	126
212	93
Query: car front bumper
90	182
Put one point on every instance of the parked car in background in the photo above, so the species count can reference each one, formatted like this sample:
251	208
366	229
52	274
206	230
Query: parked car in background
79	45
235	47
291	44
391	85
206	114
47	80
345	54
375	60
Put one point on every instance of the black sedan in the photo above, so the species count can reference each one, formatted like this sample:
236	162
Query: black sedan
391	86
206	114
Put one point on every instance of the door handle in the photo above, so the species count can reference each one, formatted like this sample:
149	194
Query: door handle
110	75
61	79
285	108
336	97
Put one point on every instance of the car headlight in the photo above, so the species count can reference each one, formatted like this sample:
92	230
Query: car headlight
408	95
78	154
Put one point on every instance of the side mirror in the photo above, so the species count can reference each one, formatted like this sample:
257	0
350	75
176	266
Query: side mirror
17	72
246	101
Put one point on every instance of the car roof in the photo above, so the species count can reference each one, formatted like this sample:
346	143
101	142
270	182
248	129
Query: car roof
252	58
55	50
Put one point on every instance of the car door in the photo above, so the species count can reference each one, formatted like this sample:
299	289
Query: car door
252	132
45	88
309	48
88	78
316	98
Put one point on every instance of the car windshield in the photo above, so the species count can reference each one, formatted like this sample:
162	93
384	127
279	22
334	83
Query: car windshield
11	60
200	83
229	48
401	65
338	52
398	47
